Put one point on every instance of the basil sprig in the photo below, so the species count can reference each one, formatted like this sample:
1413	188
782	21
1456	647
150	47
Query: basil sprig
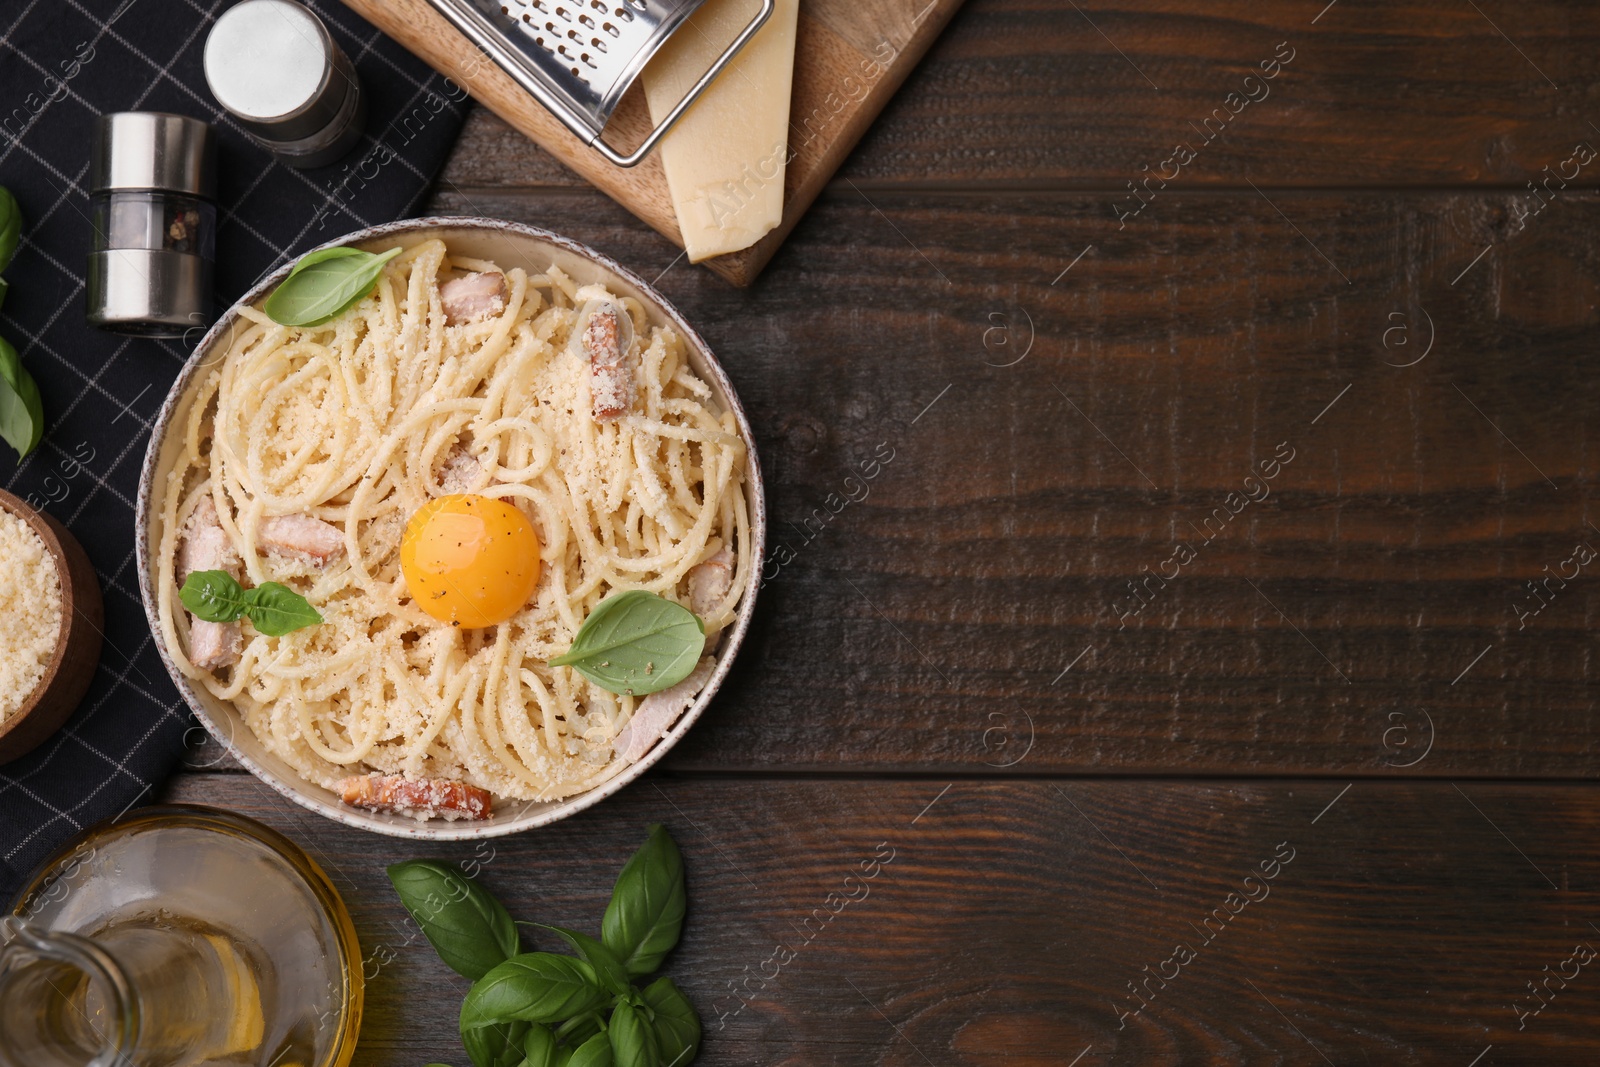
324	285
539	1009
272	608
21	411
636	642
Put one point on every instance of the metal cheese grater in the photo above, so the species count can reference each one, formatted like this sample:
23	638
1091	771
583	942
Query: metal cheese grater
577	57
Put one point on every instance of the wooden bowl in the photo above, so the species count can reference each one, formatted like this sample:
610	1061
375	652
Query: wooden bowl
71	667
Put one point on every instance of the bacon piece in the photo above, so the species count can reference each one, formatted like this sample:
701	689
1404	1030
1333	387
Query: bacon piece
472	297
214	644
610	380
303	536
460	471
657	712
710	581
206	547
205	543
429	797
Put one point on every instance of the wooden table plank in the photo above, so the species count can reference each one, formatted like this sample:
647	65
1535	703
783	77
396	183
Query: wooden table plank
1377	586
1004	921
1027	93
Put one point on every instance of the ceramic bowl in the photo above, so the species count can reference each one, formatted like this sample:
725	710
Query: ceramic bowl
510	245
66	677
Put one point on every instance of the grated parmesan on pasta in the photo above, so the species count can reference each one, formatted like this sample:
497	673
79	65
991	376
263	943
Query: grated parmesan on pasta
360	421
30	611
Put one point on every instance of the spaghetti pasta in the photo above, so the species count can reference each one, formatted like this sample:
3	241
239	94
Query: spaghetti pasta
356	423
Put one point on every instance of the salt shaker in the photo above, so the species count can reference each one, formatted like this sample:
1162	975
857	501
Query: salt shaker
273	66
152	184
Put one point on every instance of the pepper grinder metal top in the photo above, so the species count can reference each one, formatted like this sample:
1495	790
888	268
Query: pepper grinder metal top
274	67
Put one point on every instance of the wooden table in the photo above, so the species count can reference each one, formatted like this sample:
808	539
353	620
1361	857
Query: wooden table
1082	744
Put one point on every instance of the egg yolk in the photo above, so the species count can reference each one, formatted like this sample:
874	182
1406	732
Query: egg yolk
470	560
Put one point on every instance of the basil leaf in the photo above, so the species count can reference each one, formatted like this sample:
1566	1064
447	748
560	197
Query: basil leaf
539	1048
323	285
636	642
495	1046
213	596
595	1052
465	924
633	1042
645	915
10	226
538	987
606	966
579	1028
311	259
21	412
677	1024
273	608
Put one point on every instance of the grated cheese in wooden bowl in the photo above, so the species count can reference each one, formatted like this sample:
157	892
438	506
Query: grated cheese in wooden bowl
30	611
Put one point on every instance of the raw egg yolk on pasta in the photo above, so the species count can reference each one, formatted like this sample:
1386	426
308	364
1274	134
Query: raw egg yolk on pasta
470	560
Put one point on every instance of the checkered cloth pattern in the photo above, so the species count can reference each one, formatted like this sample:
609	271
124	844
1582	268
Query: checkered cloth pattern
62	64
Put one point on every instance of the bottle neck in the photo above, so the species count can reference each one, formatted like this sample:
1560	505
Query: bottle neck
64	1002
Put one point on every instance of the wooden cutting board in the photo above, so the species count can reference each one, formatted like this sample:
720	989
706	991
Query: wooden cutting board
850	57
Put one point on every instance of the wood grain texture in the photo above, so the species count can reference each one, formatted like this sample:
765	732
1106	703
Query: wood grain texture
1003	921
1027	94
850	57
932	619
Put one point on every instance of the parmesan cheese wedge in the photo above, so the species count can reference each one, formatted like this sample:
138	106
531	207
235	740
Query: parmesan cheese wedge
725	158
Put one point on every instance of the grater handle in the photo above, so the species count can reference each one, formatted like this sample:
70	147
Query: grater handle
599	142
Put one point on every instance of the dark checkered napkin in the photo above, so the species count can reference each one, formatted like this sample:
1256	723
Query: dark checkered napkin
62	64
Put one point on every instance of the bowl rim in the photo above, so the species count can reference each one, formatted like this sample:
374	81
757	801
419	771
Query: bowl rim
35	520
459	830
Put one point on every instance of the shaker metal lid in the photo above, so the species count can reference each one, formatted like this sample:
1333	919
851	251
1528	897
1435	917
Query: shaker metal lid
153	150
271	64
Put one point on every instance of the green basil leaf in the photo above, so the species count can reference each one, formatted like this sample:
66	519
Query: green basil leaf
645	915
538	987
595	1052
636	642
10	226
677	1024
21	411
275	609
465	924
311	259
323	285
606	966
633	1042
578	1029
539	1048
213	596
499	1045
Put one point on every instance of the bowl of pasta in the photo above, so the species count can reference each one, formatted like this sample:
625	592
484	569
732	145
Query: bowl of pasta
450	529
